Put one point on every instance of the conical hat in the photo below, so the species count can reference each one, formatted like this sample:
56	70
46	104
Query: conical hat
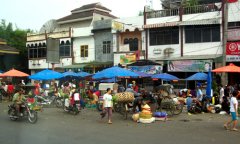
146	106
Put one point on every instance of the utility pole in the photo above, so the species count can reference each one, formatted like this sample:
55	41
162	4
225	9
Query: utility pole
224	37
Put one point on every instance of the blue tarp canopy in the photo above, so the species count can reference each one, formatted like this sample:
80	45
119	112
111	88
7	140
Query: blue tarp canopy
46	75
198	76
83	74
165	76
114	72
70	73
142	74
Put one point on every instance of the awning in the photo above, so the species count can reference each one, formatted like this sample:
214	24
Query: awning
88	64
201	22
168	24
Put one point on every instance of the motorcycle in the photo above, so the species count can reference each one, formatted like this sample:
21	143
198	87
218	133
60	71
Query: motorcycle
25	111
50	100
75	107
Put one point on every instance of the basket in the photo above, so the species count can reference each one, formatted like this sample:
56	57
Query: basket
125	97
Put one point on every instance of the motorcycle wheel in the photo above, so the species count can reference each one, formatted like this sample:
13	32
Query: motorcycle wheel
59	103
178	108
33	118
167	107
11	114
99	107
75	111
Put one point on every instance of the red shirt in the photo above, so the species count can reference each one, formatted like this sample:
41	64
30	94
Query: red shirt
10	89
135	88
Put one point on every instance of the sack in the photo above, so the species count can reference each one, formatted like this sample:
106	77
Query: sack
125	97
160	114
145	116
147	120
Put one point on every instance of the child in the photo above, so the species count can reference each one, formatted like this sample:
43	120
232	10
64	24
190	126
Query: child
234	112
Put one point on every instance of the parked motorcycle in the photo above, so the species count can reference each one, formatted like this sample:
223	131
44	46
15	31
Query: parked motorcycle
50	100
25	111
99	104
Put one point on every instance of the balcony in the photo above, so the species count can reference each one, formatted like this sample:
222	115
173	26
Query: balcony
185	10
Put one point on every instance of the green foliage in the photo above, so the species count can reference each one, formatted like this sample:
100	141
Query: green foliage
16	38
140	13
190	2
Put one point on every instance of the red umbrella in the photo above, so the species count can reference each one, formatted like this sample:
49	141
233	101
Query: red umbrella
230	68
14	73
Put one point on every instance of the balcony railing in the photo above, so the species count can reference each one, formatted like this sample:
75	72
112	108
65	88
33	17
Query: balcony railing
185	10
162	13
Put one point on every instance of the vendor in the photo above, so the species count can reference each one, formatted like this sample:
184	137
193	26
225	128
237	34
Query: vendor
135	87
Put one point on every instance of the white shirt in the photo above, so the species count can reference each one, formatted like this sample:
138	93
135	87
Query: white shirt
107	100
199	95
221	94
232	102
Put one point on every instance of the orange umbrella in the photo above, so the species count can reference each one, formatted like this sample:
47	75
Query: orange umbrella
230	68
14	73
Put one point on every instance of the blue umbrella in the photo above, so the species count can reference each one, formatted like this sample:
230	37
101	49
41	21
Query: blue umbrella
111	80
198	76
209	84
46	75
83	74
114	72
165	76
70	73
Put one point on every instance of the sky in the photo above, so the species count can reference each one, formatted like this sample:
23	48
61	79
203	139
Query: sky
33	14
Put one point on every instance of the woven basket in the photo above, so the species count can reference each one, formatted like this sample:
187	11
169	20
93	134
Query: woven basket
125	97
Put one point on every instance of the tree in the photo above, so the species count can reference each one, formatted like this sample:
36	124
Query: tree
140	13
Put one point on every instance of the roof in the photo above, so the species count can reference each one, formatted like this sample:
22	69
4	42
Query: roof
91	6
136	21
87	11
85	14
8	50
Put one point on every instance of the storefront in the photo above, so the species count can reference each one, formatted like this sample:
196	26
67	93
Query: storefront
233	53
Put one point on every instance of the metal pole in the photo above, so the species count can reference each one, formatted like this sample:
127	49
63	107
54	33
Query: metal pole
224	37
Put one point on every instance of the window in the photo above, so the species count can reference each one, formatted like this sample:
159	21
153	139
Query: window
199	34
106	47
84	51
164	36
37	51
65	49
233	24
133	43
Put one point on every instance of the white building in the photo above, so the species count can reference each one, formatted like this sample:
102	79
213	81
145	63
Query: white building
74	33
187	39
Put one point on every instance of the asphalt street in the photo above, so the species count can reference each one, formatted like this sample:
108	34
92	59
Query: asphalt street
54	126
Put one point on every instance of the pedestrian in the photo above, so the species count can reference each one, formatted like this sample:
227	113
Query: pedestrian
107	105
221	92
233	111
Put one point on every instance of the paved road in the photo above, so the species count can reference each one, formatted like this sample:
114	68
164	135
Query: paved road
56	127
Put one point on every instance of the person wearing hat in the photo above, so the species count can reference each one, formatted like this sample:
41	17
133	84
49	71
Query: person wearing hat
134	86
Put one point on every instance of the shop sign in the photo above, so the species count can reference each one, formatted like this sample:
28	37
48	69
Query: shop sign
117	25
233	51
232	1
127	59
149	69
233	35
189	66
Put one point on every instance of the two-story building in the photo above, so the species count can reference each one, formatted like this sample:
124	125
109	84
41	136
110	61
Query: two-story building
76	41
